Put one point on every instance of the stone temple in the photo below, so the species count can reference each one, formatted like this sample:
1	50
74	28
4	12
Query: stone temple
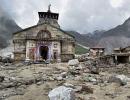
44	41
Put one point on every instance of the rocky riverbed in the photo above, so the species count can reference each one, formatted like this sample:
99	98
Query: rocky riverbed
35	81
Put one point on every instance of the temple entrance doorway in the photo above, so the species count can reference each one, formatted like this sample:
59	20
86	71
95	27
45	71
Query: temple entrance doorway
44	52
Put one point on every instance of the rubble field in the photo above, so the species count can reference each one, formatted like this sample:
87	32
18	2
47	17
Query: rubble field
38	81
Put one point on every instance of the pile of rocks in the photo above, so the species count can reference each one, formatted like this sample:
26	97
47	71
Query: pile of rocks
77	78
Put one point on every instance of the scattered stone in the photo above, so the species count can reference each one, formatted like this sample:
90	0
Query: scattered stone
84	89
91	98
20	91
90	79
78	78
7	60
128	97
74	72
2	78
50	78
94	70
59	78
64	74
121	79
39	83
62	93
73	62
78	89
69	85
73	79
111	95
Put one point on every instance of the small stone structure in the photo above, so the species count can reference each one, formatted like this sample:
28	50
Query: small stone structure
119	56
44	41
96	51
122	55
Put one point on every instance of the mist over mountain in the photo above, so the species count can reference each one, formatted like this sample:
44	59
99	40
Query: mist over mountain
7	27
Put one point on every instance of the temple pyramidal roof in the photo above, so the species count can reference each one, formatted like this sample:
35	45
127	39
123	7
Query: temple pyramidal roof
48	14
44	15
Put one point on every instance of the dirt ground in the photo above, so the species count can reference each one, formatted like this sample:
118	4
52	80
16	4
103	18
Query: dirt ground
39	90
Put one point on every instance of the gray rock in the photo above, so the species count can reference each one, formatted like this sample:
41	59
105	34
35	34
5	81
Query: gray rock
69	85
62	93
73	62
86	89
2	78
59	78
94	70
64	74
121	79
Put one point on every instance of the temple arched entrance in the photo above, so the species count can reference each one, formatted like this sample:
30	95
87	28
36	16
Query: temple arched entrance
44	50
43	45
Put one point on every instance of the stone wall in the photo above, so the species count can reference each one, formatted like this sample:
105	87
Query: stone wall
19	56
66	57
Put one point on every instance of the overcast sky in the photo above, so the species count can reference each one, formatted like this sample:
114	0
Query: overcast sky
79	15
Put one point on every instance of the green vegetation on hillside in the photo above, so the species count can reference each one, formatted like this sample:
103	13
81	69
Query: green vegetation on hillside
80	50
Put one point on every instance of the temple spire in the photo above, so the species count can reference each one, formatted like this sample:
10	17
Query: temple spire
49	8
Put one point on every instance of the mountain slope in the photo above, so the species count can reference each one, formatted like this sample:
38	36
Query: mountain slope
121	30
116	37
81	39
7	27
113	38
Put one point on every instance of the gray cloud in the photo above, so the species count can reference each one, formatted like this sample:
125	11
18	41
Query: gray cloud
83	16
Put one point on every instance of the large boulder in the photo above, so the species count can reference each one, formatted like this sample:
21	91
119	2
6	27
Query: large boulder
73	62
62	93
121	79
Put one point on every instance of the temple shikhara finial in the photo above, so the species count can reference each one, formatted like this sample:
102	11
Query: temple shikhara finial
49	8
48	17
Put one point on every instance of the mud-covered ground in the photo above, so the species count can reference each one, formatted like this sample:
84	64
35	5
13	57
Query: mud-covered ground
35	81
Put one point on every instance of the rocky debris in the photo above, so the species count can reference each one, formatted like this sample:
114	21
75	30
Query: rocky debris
74	72
83	57
64	74
77	78
62	93
15	82
86	89
128	97
59	78
91	66
90	78
121	79
2	78
73	62
7	60
69	85
7	93
94	70
90	98
111	95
